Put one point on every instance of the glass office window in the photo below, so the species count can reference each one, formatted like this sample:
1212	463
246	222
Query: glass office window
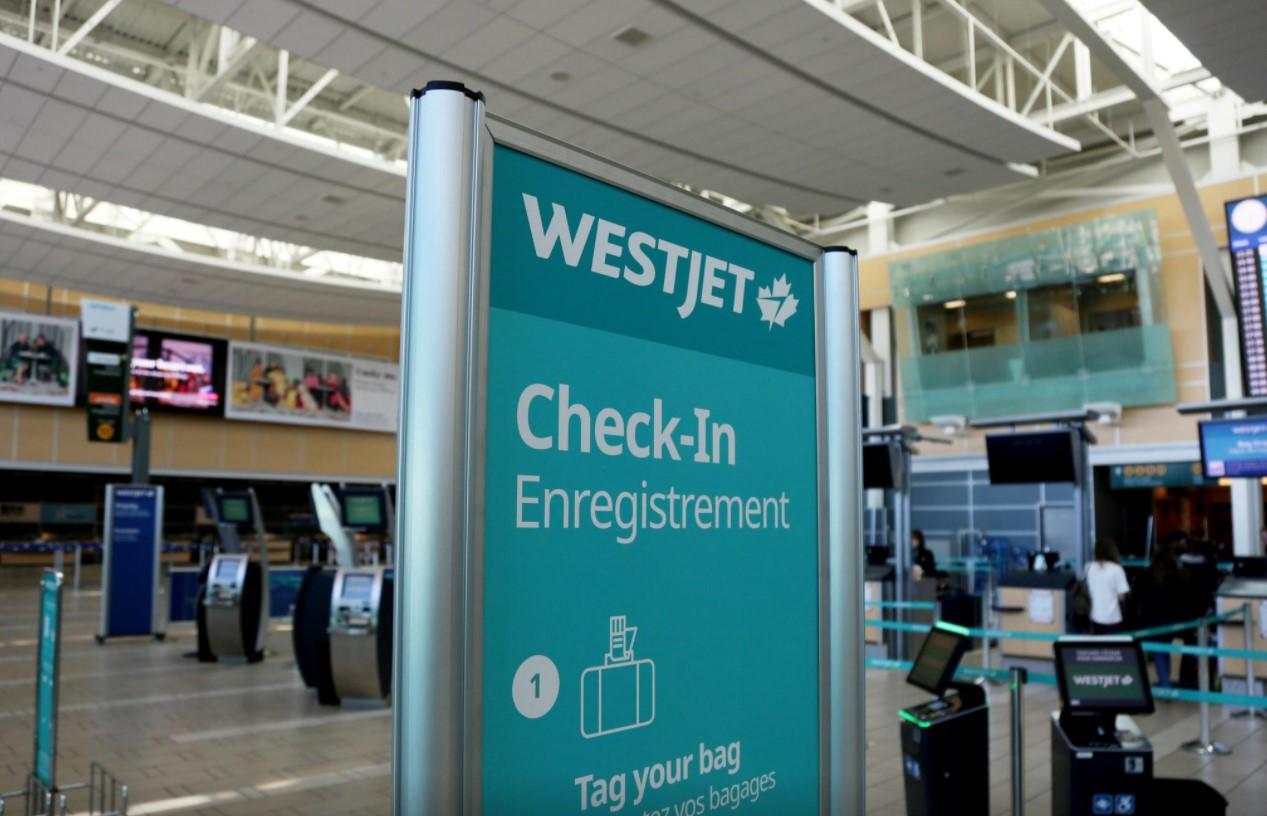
1049	320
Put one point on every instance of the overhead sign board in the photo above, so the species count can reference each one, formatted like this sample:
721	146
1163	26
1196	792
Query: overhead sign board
645	498
1157	474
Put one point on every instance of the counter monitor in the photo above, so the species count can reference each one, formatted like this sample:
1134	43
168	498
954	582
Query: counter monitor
1029	457
235	508
881	465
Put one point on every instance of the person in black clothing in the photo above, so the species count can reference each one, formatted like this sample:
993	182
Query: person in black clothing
1159	592
922	557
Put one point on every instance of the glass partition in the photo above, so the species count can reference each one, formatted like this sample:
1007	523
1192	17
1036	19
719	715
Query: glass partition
1045	321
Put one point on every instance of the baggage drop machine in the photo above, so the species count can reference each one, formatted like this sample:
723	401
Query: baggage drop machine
343	615
233	609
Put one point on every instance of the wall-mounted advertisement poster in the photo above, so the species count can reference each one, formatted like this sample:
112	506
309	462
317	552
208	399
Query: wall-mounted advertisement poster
278	384
40	361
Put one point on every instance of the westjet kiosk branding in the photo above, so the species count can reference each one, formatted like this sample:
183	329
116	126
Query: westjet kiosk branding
650	624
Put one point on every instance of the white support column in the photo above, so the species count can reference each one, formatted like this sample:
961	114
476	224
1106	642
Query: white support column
1225	149
1082	71
879	227
917	27
283	77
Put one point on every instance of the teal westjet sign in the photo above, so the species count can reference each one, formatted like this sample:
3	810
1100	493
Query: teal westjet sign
46	681
651	623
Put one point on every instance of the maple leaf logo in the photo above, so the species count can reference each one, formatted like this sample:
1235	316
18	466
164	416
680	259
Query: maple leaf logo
777	303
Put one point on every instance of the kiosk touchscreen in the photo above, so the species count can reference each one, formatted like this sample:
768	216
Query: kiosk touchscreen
1099	757
945	742
227	573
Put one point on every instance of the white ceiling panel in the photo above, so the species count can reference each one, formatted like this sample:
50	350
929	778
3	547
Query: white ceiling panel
75	258
840	118
1228	36
70	126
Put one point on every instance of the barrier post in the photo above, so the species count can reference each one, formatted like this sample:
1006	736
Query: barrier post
1251	682
985	624
1019	677
1204	745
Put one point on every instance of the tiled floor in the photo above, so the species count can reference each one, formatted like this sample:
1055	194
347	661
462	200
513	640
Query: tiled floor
250	740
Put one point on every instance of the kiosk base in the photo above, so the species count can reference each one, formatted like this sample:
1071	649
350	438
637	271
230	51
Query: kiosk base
1106	770
945	755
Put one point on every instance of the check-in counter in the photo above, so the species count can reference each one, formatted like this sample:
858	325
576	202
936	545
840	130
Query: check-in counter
1232	594
1034	602
877	586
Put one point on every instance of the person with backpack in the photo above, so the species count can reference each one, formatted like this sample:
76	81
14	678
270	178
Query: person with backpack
1107	587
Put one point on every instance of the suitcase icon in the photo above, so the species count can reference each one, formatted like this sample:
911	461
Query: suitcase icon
620	694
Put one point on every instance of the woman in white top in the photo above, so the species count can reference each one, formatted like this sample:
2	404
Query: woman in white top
1107	586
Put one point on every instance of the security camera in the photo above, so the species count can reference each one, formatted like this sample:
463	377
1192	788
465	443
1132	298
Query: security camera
951	424
1106	413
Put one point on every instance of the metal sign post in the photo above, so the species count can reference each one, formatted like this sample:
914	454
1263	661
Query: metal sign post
49	671
629	481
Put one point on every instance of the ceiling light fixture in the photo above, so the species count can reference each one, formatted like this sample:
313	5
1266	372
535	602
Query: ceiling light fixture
1010	295
955	304
631	36
1114	277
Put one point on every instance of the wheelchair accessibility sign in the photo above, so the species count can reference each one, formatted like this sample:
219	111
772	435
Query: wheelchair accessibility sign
620	694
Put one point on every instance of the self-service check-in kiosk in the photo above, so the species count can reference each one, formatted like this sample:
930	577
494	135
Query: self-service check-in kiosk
946	741
1100	761
361	612
233	612
342	630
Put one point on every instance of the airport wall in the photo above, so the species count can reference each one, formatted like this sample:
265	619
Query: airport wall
1183	310
36	437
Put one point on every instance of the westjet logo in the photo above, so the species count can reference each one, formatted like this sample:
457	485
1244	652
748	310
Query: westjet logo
693	278
1103	680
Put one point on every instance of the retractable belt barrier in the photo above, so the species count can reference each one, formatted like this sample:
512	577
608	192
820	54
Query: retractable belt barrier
1002	675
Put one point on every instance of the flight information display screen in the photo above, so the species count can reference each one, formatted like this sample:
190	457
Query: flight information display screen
358	588
1247	240
1234	448
1105	676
